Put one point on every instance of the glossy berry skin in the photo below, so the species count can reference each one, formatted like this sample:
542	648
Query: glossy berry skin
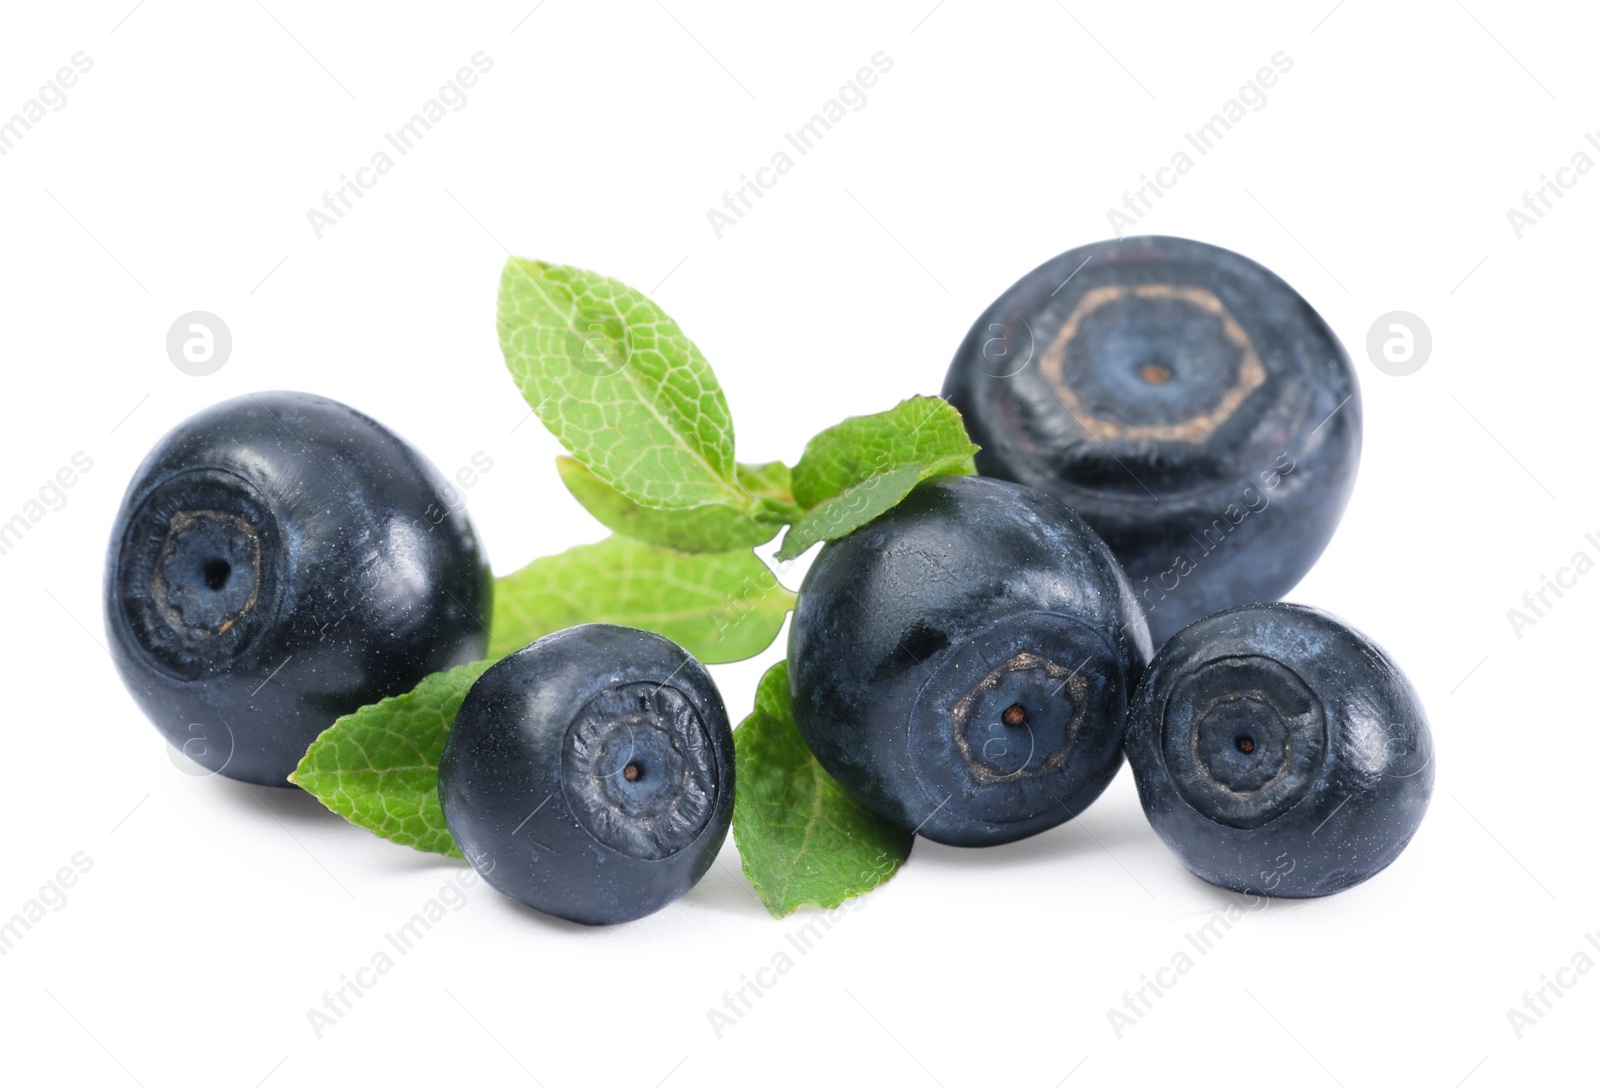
1279	752
962	664
590	774
280	560
1189	404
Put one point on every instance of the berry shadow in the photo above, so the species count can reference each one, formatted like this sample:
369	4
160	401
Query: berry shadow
300	813
1116	824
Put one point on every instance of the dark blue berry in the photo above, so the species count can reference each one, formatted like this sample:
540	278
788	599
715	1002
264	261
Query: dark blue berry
590	775
280	560
962	664
1279	752
1189	404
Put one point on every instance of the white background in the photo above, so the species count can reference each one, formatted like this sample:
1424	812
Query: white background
1376	177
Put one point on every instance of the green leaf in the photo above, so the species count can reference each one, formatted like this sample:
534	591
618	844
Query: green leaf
801	838
720	606
712	528
922	431
379	767
843	513
770	484
852	472
613	377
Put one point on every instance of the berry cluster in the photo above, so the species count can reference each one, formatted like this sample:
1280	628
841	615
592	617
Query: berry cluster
1167	436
